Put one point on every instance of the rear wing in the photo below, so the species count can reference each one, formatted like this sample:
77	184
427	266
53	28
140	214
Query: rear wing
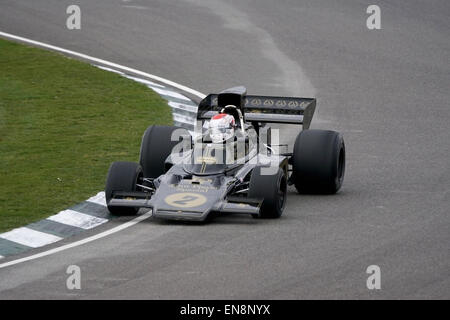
264	109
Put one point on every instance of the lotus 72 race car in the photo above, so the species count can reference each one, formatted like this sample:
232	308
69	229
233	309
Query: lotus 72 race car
231	163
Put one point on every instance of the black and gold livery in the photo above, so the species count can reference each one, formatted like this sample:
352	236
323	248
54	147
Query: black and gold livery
193	184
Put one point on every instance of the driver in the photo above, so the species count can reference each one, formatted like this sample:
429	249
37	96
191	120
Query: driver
221	127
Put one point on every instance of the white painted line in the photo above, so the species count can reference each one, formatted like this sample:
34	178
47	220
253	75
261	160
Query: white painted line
147	82
107	63
170	93
99	198
80	242
110	70
77	219
184	107
135	7
184	119
29	237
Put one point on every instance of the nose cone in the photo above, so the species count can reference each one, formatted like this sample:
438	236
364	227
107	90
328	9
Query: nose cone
190	199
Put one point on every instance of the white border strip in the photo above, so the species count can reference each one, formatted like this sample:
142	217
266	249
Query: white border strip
99	198
170	93
140	80
29	237
110	70
184	118
183	107
107	63
80	242
77	219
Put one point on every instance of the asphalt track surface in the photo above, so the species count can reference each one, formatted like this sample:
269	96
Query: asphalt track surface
386	90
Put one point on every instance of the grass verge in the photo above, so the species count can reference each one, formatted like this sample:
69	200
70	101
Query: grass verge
62	122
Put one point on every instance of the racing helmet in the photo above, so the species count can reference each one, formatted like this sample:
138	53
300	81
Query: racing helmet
221	127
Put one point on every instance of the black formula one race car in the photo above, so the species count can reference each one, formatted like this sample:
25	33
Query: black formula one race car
231	163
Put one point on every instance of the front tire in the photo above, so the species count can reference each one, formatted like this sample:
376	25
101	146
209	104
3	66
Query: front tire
156	146
272	189
318	162
122	176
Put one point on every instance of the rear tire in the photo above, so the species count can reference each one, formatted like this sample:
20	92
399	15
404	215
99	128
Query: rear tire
156	146
272	189
318	162
122	176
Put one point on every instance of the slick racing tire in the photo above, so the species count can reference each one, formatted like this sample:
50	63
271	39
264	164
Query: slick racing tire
318	162
272	189
122	176
156	146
